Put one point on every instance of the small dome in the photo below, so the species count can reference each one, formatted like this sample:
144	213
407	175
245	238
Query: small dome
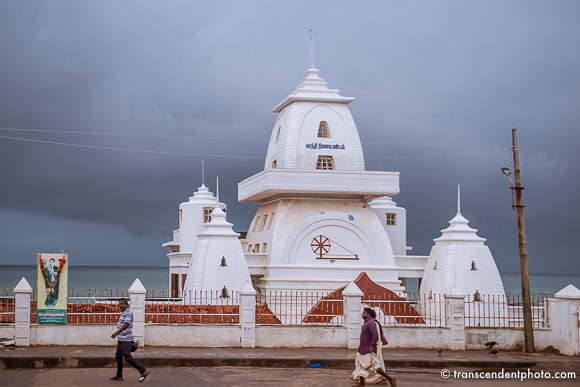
313	89
459	231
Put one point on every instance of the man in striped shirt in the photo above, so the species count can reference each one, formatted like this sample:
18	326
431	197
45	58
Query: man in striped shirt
124	335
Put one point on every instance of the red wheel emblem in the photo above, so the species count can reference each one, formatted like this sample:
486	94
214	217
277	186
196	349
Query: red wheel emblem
320	245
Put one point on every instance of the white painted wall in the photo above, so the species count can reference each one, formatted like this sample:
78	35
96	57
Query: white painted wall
411	266
7	331
155	335
72	334
397	233
417	337
351	226
162	335
301	121
278	336
288	336
507	338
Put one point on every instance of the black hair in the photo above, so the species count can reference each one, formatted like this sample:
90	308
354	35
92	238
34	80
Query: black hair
124	300
380	327
371	312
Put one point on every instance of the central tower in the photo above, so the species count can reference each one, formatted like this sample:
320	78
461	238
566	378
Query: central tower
314	229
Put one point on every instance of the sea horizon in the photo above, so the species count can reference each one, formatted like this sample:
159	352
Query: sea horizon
163	266
157	278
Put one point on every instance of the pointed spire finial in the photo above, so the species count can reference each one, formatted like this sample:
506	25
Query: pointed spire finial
217	189
311	51
202	173
458	199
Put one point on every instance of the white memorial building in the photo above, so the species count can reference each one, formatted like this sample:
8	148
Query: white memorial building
324	219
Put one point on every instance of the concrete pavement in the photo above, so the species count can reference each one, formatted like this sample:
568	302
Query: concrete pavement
244	376
98	356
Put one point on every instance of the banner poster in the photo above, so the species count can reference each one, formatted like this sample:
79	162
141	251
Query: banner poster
52	288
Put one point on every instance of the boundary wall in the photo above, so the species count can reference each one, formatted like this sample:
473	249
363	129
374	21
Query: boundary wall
562	331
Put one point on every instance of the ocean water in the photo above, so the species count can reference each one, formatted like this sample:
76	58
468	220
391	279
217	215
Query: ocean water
157	278
540	284
92	277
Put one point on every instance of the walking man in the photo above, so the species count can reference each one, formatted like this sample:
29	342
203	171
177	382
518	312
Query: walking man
367	360
124	335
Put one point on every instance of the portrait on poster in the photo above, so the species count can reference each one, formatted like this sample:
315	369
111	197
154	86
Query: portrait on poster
52	288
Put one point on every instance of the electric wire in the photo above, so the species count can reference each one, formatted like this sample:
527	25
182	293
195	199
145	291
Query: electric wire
212	138
221	138
438	155
133	134
131	150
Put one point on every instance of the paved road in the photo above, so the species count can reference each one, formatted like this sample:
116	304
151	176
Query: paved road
240	376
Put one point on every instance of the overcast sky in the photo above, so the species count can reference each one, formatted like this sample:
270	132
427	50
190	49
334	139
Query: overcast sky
429	78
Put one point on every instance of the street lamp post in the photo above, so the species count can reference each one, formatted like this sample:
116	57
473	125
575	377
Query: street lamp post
525	278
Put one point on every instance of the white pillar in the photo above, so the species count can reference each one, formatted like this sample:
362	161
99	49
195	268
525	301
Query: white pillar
455	318
22	293
137	303
569	319
248	315
352	298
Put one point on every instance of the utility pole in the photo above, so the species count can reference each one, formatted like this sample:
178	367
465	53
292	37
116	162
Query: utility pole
525	278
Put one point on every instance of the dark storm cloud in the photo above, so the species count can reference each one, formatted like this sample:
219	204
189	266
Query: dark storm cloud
429	79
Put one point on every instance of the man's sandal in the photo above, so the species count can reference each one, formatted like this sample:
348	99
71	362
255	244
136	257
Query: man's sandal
117	378
144	375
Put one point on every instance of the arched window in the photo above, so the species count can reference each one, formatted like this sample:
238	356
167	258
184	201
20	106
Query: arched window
278	135
323	131
325	162
274	164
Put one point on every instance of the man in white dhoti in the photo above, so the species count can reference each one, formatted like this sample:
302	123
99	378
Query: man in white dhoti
369	362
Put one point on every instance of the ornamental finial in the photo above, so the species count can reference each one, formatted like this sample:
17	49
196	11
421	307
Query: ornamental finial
458	199
311	51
